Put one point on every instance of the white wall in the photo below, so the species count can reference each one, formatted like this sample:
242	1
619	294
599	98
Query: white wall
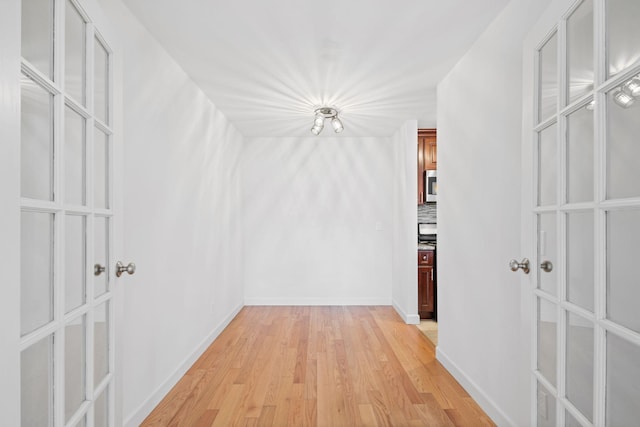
405	219
181	183
479	137
317	220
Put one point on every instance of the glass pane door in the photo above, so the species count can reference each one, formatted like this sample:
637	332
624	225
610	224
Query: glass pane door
66	220
587	164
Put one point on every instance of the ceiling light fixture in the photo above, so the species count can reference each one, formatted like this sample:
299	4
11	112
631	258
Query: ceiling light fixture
337	125
623	99
626	94
632	87
322	114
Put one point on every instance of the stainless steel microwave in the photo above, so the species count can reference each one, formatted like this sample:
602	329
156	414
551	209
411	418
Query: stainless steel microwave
431	186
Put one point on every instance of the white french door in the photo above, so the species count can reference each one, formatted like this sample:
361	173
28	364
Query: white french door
582	219
66	239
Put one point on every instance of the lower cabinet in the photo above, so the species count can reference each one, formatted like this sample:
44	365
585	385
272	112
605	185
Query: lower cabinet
426	284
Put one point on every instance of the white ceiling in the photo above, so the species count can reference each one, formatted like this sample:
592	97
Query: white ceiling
267	63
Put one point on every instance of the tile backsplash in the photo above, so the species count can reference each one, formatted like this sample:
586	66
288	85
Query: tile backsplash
427	213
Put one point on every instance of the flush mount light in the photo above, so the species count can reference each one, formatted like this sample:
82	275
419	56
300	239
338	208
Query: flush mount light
623	99
323	113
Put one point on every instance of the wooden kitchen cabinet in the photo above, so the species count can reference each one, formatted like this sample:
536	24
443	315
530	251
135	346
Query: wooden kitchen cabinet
427	158
426	284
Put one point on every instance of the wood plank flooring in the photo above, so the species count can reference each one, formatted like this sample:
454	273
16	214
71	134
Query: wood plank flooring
318	366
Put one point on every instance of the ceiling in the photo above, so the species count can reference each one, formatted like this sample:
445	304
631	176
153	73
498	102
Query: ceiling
267	63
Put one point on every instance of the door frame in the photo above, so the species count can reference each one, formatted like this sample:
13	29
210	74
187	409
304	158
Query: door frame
10	210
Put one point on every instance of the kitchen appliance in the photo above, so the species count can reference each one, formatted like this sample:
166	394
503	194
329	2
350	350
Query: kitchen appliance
427	233
431	186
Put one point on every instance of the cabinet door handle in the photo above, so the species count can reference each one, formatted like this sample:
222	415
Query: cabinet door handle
432	274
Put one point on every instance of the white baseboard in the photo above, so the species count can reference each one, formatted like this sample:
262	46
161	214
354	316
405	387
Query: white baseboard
409	319
148	405
315	301
484	401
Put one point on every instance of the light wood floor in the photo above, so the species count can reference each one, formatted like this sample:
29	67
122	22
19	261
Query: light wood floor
318	366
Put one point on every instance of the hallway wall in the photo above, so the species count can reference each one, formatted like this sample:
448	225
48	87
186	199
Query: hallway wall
181	199
404	273
479	137
317	220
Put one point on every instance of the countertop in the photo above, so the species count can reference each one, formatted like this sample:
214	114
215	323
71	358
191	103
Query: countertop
426	247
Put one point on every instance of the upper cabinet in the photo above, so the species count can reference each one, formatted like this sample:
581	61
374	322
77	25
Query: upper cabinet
427	158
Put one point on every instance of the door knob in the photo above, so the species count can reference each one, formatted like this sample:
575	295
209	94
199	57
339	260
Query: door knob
121	268
99	269
546	266
515	265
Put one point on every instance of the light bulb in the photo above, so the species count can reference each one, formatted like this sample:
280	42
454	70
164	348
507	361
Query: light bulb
632	87
623	99
319	120
316	129
337	125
